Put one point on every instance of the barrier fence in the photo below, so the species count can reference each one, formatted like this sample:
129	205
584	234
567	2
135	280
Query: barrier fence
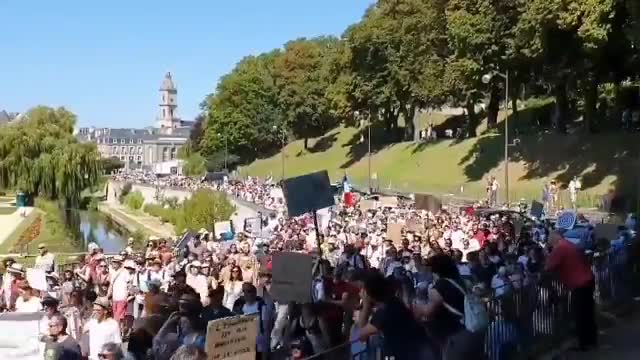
536	316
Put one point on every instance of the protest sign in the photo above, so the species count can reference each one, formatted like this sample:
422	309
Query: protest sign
366	205
415	225
253	226
389	201
566	220
308	193
232	338
37	279
607	231
292	277
536	209
20	333
394	233
428	202
222	227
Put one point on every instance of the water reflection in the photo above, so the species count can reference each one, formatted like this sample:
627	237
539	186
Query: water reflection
96	227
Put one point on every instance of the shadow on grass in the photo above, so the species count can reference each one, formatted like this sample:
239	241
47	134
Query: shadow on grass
359	147
324	143
591	157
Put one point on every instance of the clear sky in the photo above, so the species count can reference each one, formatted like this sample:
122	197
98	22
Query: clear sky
105	60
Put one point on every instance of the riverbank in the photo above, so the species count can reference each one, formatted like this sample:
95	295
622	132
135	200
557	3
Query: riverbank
13	225
136	221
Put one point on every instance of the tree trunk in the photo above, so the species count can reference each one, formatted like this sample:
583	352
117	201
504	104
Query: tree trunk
411	126
472	119
306	143
590	104
415	120
514	108
616	113
561	109
494	108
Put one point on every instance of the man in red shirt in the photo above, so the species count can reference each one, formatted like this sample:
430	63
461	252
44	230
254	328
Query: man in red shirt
572	269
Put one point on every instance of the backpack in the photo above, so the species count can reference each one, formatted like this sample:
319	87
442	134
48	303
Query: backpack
475	317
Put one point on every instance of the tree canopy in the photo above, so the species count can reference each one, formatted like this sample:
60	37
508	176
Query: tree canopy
39	155
405	56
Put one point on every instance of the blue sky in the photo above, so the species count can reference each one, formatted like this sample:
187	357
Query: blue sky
105	60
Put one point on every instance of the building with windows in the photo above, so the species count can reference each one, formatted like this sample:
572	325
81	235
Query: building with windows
144	148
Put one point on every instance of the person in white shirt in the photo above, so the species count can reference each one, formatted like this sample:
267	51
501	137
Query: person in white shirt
27	302
121	282
102	329
198	281
46	260
574	187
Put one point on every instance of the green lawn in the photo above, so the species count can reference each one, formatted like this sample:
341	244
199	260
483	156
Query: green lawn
604	161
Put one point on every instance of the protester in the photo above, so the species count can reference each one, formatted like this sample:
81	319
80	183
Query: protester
46	260
102	329
60	345
570	265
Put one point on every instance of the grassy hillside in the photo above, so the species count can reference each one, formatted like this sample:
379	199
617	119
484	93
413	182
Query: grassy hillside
605	161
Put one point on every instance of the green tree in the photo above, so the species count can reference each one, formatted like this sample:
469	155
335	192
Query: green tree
40	156
302	74
194	165
243	110
111	164
202	210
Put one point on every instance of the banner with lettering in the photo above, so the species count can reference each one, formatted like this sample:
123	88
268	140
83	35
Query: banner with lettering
232	338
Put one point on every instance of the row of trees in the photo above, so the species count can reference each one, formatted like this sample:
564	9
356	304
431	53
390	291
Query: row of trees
39	155
407	55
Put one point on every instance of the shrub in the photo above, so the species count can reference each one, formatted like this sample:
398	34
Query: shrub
126	189
171	202
134	200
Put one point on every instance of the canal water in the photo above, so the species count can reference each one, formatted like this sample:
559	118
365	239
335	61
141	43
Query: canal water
93	226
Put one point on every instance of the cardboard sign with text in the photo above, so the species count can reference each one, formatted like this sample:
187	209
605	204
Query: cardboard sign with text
394	233
232	338
292	277
415	225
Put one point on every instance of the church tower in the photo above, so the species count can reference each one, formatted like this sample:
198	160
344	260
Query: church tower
168	104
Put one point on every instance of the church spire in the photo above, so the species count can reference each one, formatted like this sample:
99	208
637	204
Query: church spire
168	103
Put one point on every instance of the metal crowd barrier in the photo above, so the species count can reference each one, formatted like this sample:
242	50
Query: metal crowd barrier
537	316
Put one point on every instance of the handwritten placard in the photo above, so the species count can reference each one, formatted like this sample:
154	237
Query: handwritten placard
394	233
232	338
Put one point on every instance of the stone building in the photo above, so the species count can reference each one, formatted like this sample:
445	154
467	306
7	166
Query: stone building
144	148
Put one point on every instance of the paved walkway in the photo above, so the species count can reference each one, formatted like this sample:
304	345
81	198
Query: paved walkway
12	222
135	222
619	342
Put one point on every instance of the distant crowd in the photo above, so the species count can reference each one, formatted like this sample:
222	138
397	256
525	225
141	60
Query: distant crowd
437	288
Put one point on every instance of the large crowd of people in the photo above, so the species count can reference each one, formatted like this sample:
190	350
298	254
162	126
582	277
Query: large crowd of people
413	294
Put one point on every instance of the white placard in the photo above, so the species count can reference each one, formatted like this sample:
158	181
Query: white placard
37	279
222	227
19	339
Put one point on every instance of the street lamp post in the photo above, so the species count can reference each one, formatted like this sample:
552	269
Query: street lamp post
282	140
226	152
486	79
